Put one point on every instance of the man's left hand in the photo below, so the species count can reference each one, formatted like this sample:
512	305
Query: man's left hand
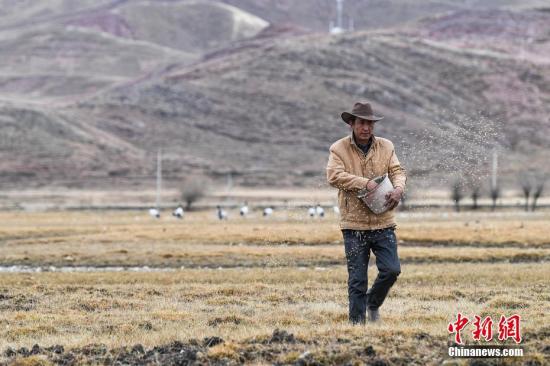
393	198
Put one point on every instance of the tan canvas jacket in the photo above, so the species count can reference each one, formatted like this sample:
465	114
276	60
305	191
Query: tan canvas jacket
349	170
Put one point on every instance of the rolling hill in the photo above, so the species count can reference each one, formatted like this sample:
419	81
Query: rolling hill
264	106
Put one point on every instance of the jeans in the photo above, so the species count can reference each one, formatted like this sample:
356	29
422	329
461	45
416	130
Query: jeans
358	244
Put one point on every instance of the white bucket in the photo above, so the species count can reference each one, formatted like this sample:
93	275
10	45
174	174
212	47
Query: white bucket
376	198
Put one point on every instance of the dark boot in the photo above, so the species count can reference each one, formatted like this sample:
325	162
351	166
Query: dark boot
373	315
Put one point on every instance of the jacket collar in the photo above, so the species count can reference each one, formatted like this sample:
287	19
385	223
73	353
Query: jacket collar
361	153
352	140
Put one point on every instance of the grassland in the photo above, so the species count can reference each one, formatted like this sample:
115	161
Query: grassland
244	306
280	295
287	239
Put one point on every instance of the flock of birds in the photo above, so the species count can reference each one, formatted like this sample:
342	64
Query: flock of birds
317	211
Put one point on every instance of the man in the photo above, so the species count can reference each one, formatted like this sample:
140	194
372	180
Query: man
353	163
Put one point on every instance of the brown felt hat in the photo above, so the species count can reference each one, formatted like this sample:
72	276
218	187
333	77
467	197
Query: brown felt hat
361	110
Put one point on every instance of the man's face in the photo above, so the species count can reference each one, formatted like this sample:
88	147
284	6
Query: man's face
362	129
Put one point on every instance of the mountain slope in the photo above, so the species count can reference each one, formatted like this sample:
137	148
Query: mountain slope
369	14
272	122
265	109
191	26
56	63
60	51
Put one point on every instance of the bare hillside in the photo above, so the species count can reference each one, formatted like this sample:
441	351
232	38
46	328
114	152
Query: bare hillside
369	14
266	107
56	63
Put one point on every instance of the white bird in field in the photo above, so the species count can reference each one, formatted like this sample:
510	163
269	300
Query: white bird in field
311	211
336	210
154	213
320	211
178	212
222	215
244	210
268	211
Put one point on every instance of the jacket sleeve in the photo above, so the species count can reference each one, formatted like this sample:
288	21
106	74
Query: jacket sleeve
337	177
396	172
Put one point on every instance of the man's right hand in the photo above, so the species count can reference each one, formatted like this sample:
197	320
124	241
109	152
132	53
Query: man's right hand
371	184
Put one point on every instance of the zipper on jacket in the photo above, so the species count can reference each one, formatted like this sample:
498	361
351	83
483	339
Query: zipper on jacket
346	203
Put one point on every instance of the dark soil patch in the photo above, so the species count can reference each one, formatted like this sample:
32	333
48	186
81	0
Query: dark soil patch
17	302
175	353
279	348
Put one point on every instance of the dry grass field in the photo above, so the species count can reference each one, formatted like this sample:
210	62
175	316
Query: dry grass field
261	291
